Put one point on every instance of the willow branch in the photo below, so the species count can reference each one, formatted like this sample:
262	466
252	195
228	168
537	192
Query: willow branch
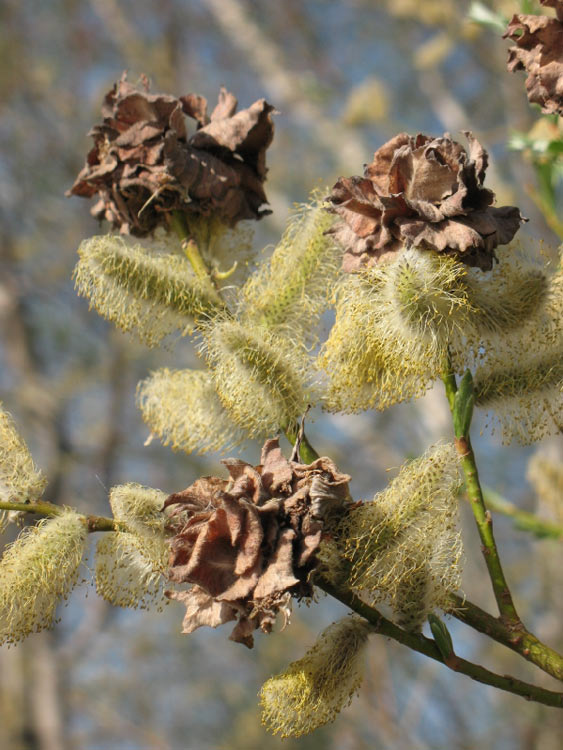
482	516
523	520
428	647
43	508
516	638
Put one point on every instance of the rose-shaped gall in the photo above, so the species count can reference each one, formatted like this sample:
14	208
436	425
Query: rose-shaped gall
145	164
247	544
424	192
539	51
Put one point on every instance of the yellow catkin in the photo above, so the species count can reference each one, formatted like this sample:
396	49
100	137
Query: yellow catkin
404	547
260	378
313	690
393	325
130	568
130	563
291	290
183	409
20	480
37	571
146	289
519	375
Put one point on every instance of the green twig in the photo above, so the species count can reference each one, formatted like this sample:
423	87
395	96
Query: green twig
429	648
523	520
515	638
482	515
94	523
194	256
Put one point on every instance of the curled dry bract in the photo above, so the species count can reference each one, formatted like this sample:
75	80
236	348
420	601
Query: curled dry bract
424	192
538	49
247	544
145	164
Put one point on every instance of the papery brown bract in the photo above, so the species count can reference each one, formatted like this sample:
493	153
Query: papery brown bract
145	164
424	192
247	544
538	50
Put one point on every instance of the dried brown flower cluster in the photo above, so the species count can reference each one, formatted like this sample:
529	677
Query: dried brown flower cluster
247	544
424	192
144	164
539	51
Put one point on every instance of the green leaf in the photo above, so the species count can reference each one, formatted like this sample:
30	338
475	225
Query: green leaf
479	13
463	405
441	636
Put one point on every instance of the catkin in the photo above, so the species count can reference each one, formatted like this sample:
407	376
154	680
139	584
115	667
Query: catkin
261	378
183	409
130	563
403	547
37	571
312	691
291	290
151	292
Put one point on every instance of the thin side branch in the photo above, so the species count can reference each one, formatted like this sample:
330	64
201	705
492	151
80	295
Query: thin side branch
428	647
482	516
517	639
93	523
523	520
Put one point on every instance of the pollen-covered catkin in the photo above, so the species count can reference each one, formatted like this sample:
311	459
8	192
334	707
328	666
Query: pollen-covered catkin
403	547
37	571
393	325
519	377
183	409
261	379
152	291
503	300
313	690
292	289
130	563
20	480
130	567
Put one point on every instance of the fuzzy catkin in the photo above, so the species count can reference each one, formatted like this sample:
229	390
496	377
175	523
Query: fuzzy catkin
261	379
292	289
403	547
152	292
312	691
130	563
396	322
130	568
519	375
183	409
393	325
20	480
37	571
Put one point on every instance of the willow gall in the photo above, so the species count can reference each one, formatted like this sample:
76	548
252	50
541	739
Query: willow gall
425	192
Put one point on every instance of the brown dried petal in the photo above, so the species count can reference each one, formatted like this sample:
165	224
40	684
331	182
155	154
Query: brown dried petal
278	576
276	470
202	609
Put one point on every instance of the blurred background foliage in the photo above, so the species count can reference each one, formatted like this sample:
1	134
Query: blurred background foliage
345	77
